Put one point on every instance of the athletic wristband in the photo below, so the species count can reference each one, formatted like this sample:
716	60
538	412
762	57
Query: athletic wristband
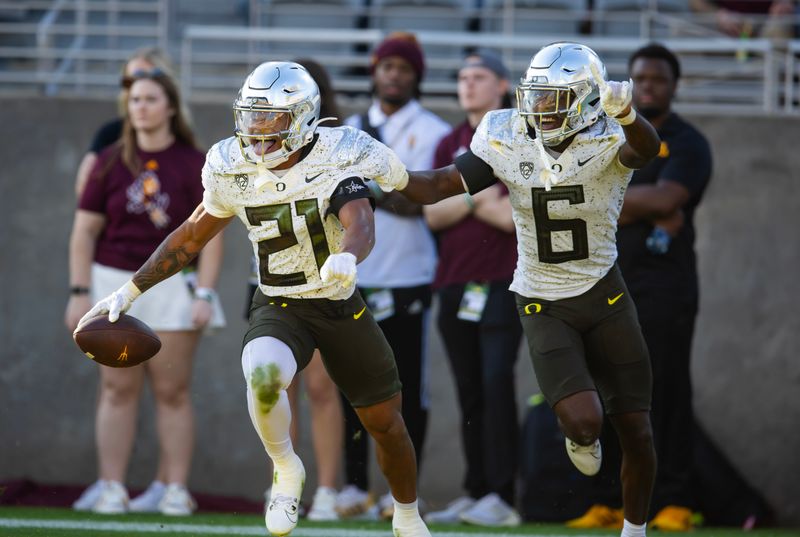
78	290
205	293
375	188
627	119
469	201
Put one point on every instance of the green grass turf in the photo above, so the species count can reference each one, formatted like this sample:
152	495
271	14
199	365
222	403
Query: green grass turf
254	525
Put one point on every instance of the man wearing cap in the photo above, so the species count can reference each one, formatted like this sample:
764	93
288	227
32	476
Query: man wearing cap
395	281
478	318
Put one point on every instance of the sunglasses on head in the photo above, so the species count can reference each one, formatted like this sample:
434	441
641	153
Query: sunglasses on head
128	80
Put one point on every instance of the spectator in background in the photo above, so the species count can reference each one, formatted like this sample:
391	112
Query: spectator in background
327	426
396	279
139	189
478	317
656	254
750	18
144	59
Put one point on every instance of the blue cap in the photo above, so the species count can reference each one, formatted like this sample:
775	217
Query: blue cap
488	60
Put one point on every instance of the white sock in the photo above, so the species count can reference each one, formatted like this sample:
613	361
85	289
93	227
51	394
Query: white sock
405	512
629	529
269	366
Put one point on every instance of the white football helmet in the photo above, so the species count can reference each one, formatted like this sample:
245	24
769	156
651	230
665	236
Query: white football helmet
558	95
278	104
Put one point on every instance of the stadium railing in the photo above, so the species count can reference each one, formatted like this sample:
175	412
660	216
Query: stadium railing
75	45
721	75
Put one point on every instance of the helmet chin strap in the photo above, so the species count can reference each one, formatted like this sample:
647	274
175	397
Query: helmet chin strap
547	175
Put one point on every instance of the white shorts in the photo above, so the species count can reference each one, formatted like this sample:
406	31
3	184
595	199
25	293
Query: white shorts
165	307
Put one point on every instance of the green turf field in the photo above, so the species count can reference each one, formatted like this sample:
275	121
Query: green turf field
41	522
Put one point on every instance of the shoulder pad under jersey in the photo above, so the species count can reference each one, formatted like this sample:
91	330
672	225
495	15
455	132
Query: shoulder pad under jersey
502	126
225	158
349	145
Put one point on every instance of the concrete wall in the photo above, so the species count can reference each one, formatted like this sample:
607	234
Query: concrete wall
746	375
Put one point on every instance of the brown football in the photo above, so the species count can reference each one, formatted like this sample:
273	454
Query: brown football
125	343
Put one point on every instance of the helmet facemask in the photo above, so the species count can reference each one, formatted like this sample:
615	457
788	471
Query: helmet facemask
558	96
259	129
556	112
276	113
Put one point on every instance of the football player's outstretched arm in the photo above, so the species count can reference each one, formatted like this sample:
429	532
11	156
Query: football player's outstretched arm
429	186
641	140
179	248
174	253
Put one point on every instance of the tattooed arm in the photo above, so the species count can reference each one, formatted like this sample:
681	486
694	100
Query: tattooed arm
179	248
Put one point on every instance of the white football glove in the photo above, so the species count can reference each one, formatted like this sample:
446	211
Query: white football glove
341	267
614	96
114	304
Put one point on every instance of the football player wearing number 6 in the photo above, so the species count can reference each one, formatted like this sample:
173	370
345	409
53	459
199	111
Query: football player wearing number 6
566	155
299	190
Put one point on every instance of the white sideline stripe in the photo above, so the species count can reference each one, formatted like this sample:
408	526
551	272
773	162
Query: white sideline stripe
156	527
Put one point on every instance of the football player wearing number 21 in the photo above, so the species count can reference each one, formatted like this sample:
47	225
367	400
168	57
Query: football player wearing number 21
566	155
299	190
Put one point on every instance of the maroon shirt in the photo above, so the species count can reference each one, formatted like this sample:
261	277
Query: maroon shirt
141	211
471	250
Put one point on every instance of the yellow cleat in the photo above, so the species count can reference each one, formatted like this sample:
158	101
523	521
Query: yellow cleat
598	516
673	518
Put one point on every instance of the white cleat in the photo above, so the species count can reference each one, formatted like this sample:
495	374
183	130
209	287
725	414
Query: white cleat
113	499
89	497
451	513
284	502
147	501
587	459
409	528
177	501
491	511
323	508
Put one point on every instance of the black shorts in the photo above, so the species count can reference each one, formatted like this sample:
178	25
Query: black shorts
353	348
590	342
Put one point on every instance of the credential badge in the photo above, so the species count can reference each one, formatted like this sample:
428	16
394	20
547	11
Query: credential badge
242	180
526	169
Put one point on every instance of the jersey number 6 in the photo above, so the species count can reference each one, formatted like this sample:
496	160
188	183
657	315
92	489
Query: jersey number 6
282	213
545	226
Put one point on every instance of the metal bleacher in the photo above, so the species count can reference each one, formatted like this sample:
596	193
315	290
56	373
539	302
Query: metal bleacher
77	47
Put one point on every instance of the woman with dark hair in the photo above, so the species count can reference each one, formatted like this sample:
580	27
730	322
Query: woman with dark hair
138	191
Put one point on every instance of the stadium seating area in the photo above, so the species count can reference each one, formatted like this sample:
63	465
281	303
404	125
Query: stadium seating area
75	47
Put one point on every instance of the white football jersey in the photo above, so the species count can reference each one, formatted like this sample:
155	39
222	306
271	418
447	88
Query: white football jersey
290	218
566	218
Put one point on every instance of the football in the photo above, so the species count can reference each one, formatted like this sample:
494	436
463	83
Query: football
125	343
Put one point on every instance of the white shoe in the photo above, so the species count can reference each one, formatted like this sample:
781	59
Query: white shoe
88	497
113	499
352	501
284	501
147	501
450	514
323	507
587	459
177	501
414	527
492	511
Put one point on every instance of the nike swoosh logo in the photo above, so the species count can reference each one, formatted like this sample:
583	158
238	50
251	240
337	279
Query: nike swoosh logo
582	162
309	179
358	315
612	301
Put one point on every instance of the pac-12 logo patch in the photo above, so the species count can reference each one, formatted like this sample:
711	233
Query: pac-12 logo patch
526	169
242	180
